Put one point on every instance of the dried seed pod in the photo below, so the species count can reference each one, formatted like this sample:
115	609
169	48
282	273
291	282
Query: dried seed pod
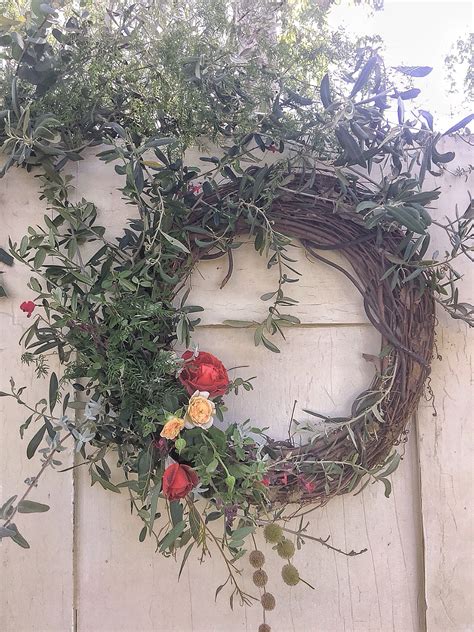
290	575
264	627
257	559
267	601
273	533
286	549
260	578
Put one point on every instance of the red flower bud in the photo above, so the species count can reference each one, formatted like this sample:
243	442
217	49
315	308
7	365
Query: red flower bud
178	481
309	486
27	307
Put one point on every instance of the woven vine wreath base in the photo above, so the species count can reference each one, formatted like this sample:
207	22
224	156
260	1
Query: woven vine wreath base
322	218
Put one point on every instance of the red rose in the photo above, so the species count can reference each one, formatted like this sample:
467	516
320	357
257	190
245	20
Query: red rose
27	307
178	481
204	373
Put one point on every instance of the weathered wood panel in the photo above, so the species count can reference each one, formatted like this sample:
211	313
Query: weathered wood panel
36	587
446	445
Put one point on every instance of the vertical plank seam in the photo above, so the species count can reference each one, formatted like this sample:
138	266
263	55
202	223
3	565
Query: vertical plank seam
75	492
422	556
74	548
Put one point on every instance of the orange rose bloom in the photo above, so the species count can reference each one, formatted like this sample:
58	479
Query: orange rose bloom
172	428
200	411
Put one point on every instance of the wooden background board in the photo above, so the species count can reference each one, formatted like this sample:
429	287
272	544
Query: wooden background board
446	446
86	564
36	585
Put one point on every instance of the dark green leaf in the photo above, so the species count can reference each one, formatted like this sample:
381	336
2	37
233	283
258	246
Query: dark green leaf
172	536
5	257
35	441
325	91
364	75
176	511
414	71
53	391
465	121
18	538
185	557
238	323
39	258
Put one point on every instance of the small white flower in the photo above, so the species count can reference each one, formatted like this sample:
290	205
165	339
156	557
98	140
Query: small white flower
92	409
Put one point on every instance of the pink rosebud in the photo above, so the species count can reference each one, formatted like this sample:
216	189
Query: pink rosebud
28	307
309	486
194	188
161	445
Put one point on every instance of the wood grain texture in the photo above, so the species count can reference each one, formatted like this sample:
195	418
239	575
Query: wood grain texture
446	446
36	585
324	295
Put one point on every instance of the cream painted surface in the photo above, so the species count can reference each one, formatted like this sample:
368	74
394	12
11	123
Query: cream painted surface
36	585
417	540
446	444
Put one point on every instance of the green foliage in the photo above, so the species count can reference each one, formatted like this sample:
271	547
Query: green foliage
460	69
179	68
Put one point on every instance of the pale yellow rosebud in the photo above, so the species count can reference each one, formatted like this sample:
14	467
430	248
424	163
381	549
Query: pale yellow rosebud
172	428
200	411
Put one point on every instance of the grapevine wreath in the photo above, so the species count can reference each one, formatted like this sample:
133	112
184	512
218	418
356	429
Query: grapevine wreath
405	320
115	312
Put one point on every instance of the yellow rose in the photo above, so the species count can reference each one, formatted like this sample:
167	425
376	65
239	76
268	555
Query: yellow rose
172	428
200	411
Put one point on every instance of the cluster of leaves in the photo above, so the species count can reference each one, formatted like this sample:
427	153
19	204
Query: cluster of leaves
178	68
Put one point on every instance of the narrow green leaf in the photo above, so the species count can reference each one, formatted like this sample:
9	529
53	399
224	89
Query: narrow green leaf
30	506
39	258
174	242
53	390
18	538
269	345
142	535
35	441
176	511
172	536
238	323
185	557
154	496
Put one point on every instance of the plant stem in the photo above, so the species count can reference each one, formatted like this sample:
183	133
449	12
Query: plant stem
33	483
